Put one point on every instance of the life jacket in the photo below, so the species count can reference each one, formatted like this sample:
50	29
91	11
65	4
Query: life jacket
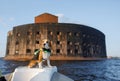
36	54
46	50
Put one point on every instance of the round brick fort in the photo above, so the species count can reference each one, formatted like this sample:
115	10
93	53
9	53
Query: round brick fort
68	41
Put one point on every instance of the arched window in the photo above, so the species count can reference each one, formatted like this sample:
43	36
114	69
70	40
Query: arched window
29	33
58	51
18	34
28	51
37	41
17	43
69	33
38	33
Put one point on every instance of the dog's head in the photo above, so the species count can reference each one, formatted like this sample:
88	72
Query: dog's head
46	44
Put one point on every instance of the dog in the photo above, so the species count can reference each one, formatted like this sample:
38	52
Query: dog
43	55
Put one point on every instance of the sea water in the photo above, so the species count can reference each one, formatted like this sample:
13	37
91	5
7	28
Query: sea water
102	70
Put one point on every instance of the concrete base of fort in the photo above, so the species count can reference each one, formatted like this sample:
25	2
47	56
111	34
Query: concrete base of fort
27	58
18	58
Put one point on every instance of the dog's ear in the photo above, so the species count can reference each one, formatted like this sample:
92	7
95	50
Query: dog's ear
50	43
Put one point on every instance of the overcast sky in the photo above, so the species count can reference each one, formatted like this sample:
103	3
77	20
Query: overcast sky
103	15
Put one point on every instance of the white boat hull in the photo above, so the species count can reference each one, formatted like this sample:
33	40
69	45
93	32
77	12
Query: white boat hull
36	74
